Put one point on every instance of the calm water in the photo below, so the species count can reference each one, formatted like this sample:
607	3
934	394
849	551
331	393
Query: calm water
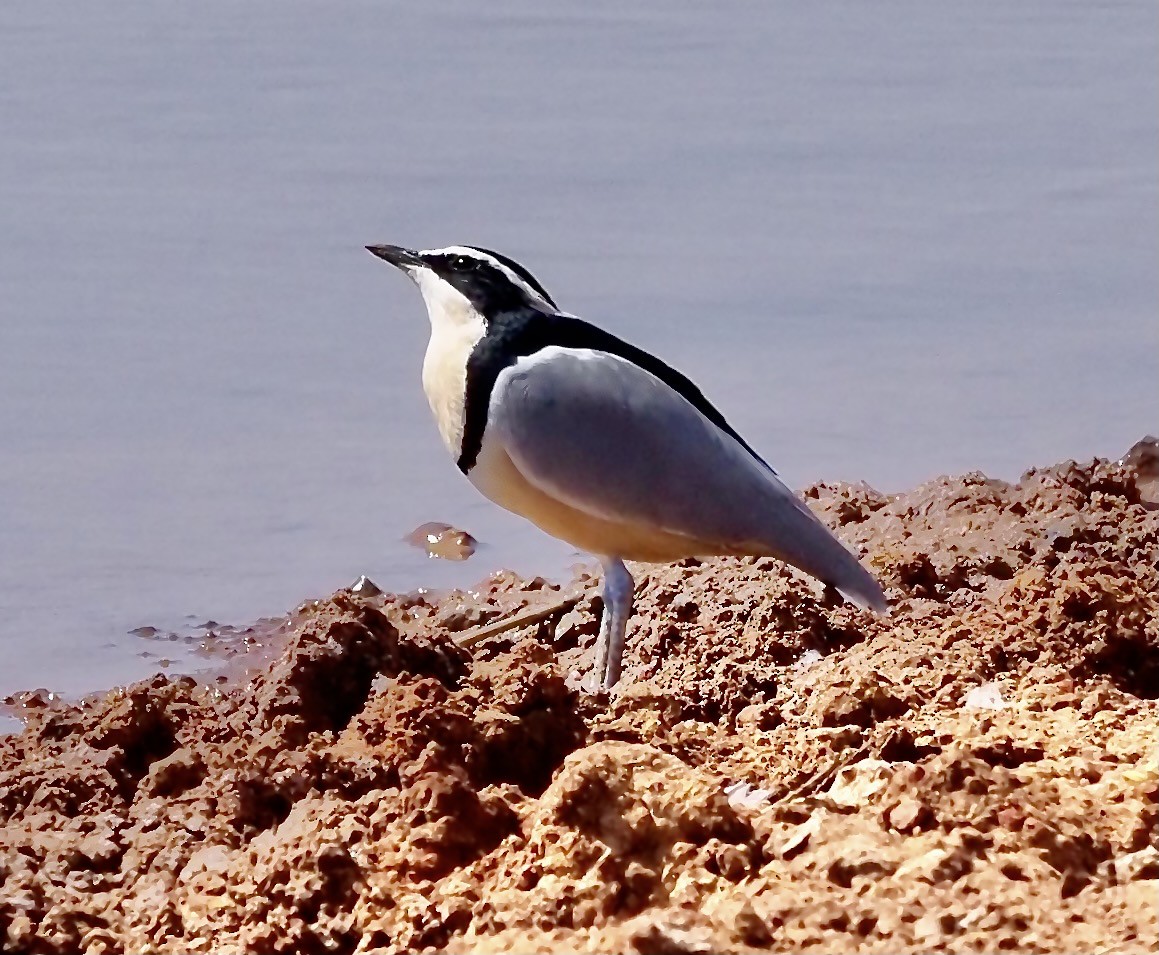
890	241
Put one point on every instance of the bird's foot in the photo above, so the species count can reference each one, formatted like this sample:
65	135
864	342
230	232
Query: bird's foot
591	683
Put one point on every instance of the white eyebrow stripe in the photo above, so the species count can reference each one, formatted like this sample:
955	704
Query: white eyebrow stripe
473	253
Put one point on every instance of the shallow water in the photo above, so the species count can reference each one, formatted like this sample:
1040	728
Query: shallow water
889	241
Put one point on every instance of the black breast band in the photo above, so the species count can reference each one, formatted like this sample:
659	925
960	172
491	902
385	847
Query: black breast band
518	334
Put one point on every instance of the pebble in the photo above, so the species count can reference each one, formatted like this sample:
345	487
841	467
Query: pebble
365	587
442	541
908	814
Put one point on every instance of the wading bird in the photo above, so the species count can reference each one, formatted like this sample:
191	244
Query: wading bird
598	442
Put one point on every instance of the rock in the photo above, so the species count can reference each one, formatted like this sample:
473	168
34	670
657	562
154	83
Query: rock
908	815
670	937
1143	864
365	587
442	541
750	928
860	855
97	849
798	839
459	615
684	608
175	773
988	696
941	864
744	796
758	717
627	795
863	699
574	627
856	784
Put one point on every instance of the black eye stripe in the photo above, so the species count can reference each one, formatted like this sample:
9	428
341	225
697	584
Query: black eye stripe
491	282
459	263
519	270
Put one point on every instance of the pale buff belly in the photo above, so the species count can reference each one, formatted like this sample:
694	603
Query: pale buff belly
445	379
498	479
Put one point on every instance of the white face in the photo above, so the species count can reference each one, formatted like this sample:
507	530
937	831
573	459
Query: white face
534	297
456	327
447	307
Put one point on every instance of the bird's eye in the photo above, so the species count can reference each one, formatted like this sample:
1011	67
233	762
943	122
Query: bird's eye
460	263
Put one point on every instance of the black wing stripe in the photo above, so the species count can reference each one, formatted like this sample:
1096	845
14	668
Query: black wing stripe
520	334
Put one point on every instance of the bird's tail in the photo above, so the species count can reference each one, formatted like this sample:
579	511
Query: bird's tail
868	595
842	571
801	539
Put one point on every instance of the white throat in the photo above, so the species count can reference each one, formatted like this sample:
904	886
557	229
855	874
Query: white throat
456	327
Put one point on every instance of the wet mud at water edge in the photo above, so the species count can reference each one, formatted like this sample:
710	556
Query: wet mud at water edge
976	772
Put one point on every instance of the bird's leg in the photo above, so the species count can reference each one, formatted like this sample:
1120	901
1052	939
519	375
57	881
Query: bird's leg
618	587
594	681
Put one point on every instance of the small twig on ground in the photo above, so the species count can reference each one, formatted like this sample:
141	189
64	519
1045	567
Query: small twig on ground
824	776
526	618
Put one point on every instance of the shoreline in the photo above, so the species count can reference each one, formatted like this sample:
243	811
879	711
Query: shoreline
977	770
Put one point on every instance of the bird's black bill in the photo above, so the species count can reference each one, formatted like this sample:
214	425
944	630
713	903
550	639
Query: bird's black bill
396	255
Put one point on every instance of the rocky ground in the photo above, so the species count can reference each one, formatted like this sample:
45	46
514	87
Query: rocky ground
976	772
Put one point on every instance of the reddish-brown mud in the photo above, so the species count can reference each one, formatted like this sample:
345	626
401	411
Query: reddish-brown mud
976	772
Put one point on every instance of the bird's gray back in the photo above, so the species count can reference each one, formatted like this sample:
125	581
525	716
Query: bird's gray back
609	438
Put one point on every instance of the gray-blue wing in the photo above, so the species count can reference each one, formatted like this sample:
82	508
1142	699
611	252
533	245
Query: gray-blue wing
610	439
